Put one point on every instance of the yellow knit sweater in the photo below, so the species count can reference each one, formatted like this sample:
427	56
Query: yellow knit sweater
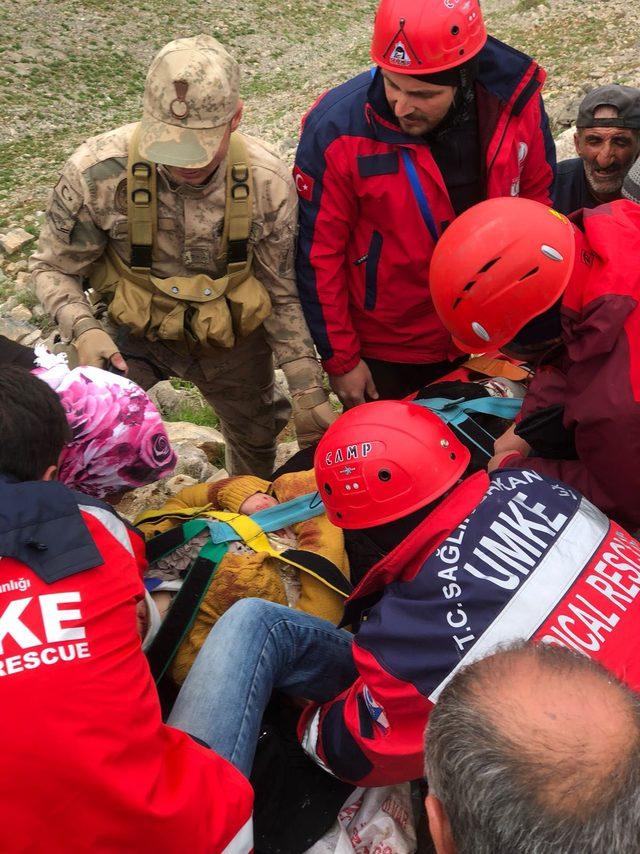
256	574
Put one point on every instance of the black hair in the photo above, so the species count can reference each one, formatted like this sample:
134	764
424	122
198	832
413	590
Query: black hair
33	425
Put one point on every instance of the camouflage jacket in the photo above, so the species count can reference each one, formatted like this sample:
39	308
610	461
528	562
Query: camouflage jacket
88	211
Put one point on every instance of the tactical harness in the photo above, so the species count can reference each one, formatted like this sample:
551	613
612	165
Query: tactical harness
193	311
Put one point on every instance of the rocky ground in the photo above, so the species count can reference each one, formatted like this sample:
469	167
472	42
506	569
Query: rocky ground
77	68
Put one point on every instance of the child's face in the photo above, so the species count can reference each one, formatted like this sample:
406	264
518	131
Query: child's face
257	501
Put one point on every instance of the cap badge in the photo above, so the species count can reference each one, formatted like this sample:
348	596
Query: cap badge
179	107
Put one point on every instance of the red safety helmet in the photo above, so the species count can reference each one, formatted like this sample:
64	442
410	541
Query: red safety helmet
499	265
381	461
426	36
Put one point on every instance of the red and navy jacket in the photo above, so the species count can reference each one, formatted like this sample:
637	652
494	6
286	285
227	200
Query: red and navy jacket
364	248
87	764
596	377
504	557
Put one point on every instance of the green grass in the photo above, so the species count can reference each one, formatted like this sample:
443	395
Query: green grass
203	416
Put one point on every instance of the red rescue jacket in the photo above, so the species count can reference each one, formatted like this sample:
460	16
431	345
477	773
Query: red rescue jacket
87	764
504	557
597	376
364	249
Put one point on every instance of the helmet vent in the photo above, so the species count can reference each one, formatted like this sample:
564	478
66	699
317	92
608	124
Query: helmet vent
530	273
384	475
550	252
455	30
488	265
469	285
327	489
480	331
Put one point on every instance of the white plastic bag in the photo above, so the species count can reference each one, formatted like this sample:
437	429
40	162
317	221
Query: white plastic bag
372	821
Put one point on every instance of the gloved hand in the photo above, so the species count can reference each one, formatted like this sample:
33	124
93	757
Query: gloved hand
312	414
96	348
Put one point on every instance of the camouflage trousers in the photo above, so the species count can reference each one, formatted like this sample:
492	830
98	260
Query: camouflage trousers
237	382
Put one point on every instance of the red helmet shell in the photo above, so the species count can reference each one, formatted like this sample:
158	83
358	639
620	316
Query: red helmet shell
497	266
381	461
426	36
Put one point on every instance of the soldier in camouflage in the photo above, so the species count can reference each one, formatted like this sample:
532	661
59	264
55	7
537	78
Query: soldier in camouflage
191	108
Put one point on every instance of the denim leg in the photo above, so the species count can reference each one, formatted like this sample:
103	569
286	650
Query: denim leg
254	648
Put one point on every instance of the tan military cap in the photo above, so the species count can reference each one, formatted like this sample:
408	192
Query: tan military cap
190	96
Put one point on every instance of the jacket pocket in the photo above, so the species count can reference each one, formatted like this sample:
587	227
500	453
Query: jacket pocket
371	271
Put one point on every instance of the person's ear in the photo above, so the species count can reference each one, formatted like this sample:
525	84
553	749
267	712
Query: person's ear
237	118
439	826
50	473
576	140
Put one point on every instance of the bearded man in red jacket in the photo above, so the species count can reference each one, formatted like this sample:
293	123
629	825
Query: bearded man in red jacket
385	162
513	275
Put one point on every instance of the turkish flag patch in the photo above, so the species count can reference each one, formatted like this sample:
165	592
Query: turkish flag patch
304	184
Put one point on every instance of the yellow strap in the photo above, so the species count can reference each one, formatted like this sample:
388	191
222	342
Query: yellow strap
249	531
142	208
239	201
254	537
182	515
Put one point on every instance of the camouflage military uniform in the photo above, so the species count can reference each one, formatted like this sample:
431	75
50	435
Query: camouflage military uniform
88	212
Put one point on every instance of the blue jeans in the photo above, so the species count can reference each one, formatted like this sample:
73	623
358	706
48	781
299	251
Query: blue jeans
254	648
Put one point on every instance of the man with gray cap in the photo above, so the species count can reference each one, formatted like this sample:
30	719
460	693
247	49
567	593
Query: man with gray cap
184	231
607	142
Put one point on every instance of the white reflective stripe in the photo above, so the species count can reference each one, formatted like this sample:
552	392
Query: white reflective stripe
310	742
543	589
242	842
115	526
155	621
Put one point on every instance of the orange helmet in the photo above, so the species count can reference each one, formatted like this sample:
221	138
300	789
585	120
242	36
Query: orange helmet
381	461
426	36
499	265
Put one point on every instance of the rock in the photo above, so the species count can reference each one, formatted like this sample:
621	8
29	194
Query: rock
281	383
32	339
567	113
284	452
10	303
170	400
221	474
152	496
207	439
177	482
17	267
15	239
20	312
192	461
18	330
23	281
564	145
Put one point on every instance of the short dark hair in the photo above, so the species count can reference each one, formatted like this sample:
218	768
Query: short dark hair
33	425
491	788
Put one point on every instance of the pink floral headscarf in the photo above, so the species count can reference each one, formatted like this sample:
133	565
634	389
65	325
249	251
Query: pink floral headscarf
119	441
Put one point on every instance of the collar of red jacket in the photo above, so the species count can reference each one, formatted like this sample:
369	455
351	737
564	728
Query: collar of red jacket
404	562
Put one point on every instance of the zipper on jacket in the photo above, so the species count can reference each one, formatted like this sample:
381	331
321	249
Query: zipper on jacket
371	271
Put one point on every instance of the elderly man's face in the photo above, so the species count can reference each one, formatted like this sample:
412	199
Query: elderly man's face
607	154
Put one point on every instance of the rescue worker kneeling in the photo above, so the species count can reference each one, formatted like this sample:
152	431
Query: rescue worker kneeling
463	565
88	764
516	275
